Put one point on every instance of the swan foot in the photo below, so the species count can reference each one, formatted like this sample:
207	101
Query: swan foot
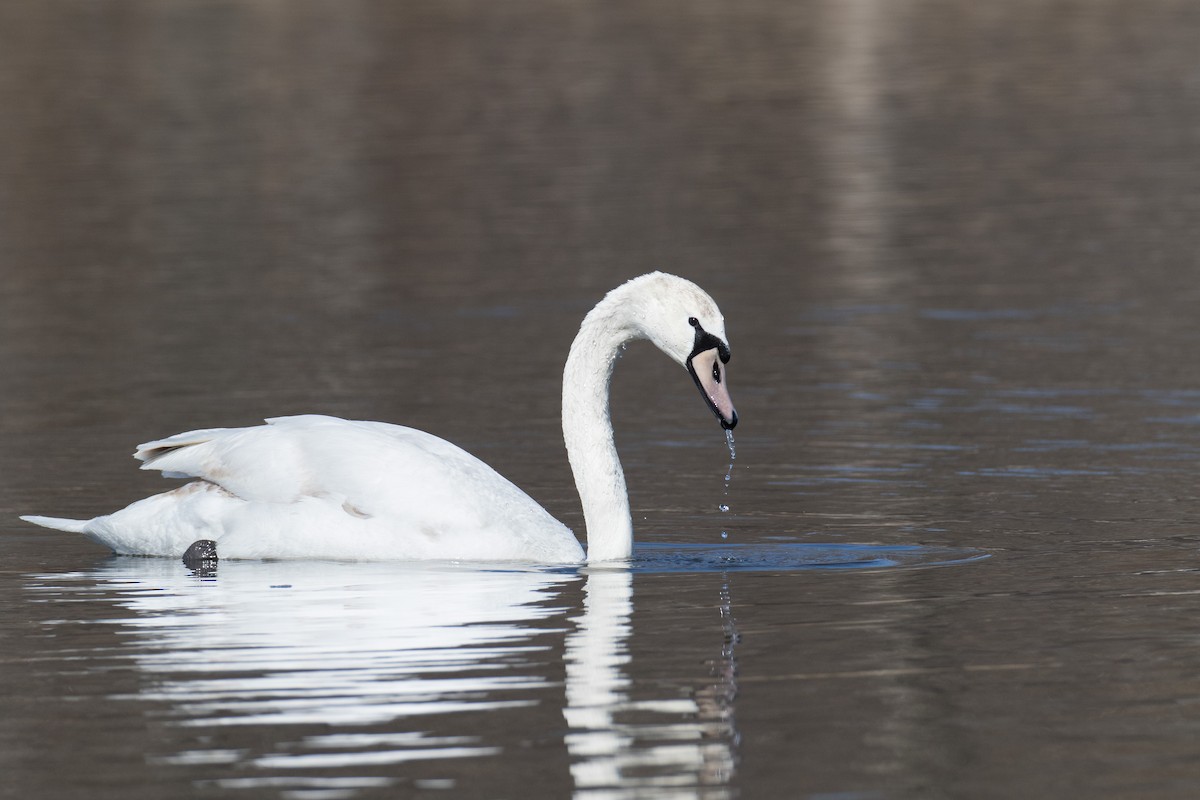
201	555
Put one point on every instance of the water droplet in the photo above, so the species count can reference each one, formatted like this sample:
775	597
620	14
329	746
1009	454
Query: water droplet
724	505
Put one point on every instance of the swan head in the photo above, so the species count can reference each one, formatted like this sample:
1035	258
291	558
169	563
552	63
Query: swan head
685	323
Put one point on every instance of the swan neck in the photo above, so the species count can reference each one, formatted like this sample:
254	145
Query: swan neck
588	433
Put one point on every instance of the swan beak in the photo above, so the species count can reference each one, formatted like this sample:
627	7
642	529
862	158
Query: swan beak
708	370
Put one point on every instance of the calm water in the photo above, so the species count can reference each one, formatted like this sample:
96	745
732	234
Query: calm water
955	244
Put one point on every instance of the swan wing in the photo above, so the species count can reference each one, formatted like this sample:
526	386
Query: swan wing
382	474
291	458
264	463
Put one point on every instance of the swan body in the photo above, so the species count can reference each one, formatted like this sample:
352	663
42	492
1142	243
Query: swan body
327	488
318	487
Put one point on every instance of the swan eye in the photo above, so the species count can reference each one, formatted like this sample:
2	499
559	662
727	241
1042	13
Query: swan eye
695	323
716	372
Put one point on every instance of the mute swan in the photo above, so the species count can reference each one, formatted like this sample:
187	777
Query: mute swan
319	487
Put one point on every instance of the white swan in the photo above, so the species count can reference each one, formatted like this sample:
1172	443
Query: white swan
319	487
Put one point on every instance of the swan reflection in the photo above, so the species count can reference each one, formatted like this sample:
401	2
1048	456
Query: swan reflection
273	674
355	647
622	747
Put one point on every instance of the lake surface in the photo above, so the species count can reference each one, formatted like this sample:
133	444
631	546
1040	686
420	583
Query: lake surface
956	247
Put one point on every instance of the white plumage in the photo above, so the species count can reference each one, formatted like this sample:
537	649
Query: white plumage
320	487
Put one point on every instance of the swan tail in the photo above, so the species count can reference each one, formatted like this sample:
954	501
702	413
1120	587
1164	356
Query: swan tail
94	529
159	525
59	523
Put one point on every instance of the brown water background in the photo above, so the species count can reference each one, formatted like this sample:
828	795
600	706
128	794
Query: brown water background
956	247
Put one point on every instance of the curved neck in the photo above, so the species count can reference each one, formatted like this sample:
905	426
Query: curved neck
587	431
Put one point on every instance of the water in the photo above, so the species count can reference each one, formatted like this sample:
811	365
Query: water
724	506
955	247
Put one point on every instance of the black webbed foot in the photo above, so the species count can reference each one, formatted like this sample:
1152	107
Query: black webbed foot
202	555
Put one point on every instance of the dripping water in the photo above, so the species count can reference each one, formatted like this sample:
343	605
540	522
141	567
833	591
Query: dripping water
724	505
